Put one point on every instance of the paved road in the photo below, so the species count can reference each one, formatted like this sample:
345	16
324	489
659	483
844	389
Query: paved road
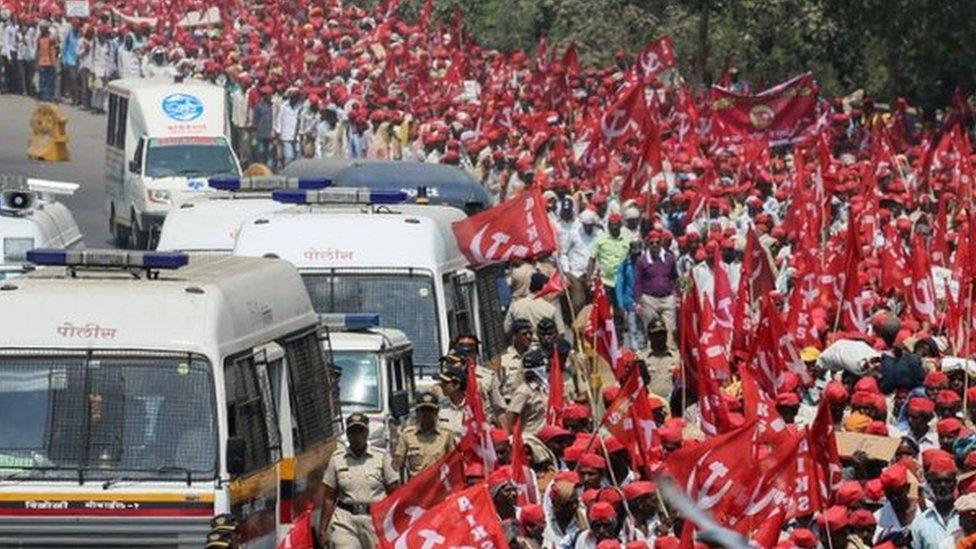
86	133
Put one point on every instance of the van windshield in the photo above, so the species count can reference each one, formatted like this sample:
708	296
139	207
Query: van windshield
106	417
359	381
403	301
189	157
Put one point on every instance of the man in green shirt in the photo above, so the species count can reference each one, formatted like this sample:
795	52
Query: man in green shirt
609	250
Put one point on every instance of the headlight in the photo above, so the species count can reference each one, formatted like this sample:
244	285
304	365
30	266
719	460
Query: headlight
15	249
158	195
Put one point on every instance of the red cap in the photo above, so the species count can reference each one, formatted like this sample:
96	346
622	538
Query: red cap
500	475
894	476
948	426
971	396
601	510
946	397
610	393
499	436
802	537
571	477
549	432
670	434
835	392
848	492
942	465
575	411
874	490
614	218
608	544
613	445
787	399
592	461
532	514
609	495
638	489
878	428
667	542
867	384
573	453
936	379
921	405
834	518
862	518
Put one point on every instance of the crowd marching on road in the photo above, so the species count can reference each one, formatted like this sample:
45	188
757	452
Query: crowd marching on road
763	299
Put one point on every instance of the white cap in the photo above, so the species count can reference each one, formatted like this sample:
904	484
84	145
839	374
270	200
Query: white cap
631	213
588	217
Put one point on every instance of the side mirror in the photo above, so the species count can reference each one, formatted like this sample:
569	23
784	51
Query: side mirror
236	456
399	404
134	166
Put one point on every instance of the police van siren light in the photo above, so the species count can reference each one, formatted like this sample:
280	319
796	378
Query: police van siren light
107	259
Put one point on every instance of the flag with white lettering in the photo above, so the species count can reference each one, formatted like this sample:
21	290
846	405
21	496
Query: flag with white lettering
518	228
465	519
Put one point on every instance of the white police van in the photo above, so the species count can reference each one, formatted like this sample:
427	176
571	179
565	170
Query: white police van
400	261
142	393
375	367
209	222
31	217
163	141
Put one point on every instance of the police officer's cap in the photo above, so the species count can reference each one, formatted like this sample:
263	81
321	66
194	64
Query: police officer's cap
218	540
521	324
427	401
546	326
224	522
357	420
535	358
466	344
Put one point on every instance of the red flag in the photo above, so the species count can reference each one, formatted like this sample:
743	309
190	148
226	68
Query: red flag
781	114
555	285
477	430
771	498
517	228
600	329
630	419
712	366
760	406
853	317
394	514
689	318
922	297
823	452
555	403
626	118
571	60
465	519
300	536
657	57
722	300
520	463
895	276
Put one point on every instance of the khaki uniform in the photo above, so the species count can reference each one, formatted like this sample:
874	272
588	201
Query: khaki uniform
490	388
418	450
510	372
519	278
660	368
451	418
529	402
575	385
533	309
357	480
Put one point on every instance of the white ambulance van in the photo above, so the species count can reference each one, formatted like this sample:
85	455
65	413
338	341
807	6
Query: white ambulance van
399	261
375	367
208	222
142	393
31	217
163	141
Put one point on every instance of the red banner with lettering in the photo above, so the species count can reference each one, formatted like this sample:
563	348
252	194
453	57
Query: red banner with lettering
781	114
517	228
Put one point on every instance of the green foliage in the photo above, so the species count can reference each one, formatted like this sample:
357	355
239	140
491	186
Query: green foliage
915	48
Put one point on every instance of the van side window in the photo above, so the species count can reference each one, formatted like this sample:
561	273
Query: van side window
310	389
458	299
120	122
490	282
248	406
118	115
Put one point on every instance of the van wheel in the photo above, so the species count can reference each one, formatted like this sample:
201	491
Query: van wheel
120	233
140	238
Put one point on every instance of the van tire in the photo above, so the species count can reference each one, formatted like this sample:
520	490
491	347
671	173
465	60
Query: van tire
120	233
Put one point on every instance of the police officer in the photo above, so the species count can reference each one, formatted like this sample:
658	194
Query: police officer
660	359
510	373
575	386
467	347
355	477
424	442
453	383
530	399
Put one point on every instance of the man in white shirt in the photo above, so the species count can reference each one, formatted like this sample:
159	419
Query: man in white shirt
286	126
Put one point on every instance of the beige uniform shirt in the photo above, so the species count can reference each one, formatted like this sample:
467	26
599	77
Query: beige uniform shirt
360	478
490	388
529	402
451	418
510	372
660	368
419	450
520	277
533	309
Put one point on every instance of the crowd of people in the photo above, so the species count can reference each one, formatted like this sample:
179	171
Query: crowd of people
834	273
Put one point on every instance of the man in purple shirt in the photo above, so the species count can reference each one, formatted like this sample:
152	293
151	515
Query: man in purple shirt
656	285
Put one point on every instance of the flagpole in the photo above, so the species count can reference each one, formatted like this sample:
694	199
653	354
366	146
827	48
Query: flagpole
613	479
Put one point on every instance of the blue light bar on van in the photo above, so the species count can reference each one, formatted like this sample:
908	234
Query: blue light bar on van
350	321
267	183
107	259
338	196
